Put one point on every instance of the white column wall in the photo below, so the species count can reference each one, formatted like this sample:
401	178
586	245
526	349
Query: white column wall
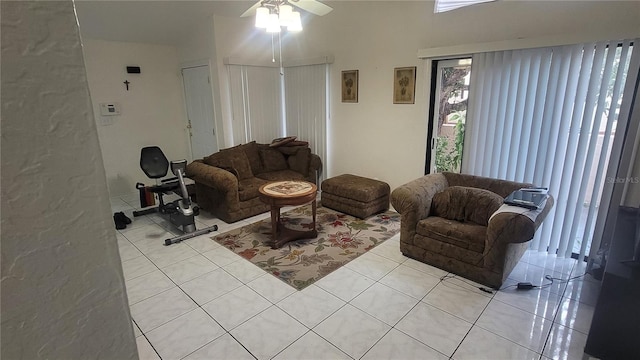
63	291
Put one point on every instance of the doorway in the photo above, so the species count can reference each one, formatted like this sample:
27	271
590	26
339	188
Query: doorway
200	115
449	97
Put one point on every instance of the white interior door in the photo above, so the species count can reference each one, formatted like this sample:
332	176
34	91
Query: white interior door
199	102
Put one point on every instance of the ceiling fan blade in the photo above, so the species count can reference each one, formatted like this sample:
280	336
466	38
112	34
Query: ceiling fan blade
312	6
252	10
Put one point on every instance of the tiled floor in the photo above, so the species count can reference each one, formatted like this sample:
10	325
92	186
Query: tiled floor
198	300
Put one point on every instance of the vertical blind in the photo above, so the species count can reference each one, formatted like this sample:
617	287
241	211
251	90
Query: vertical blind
546	116
306	106
256	103
266	105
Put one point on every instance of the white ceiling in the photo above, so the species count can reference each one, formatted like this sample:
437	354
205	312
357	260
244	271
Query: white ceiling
148	21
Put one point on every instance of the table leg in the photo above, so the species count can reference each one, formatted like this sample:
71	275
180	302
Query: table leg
275	214
313	211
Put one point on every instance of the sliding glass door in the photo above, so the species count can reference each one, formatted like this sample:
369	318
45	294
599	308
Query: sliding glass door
450	93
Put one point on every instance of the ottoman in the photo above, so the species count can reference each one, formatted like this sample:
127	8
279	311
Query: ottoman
355	195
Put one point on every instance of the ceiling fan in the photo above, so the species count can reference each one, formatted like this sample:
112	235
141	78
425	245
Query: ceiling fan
312	6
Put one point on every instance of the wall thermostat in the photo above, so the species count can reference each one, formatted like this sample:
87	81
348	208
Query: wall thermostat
109	109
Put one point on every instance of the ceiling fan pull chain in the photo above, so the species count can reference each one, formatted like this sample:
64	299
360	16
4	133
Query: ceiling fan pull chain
273	50
280	49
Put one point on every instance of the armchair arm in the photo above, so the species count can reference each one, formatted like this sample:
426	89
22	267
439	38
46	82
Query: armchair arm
413	201
511	228
212	177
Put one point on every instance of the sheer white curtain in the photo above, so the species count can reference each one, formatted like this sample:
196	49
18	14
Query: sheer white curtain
256	103
546	116
307	106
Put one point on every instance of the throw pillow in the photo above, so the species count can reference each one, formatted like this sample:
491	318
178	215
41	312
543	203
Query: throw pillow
282	141
299	162
466	204
240	163
272	160
251	150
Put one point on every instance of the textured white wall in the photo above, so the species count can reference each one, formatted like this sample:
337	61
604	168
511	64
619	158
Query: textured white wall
63	292
374	137
153	110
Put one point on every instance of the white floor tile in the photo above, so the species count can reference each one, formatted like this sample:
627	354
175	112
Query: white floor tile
271	288
538	302
184	335
565	343
222	256
236	307
443	333
384	303
223	348
481	344
352	330
585	289
162	308
210	286
524	272
244	271
170	255
311	305
145	351
137	266
425	268
269	332
146	286
203	243
551	262
189	269
575	315
397	345
519	326
452	279
432	329
311	346
136	329
410	281
345	283
127	250
372	266
457	301
390	250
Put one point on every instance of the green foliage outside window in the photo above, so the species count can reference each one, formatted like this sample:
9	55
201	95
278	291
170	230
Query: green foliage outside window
450	158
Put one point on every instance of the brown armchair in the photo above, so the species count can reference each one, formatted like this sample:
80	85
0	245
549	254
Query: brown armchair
450	221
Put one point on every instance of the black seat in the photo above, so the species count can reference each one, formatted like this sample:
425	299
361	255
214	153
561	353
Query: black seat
156	166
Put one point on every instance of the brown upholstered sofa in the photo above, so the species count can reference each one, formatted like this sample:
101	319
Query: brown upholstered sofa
450	221
227	182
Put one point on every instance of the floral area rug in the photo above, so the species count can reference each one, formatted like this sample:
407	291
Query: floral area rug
341	238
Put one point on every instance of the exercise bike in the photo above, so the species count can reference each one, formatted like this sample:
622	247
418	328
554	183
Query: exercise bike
181	212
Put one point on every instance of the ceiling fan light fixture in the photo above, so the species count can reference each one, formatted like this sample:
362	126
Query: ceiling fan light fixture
262	17
273	24
285	13
295	24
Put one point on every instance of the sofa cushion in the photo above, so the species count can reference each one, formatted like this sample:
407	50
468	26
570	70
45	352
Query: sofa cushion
251	150
466	204
281	175
299	161
272	160
233	160
465	235
249	188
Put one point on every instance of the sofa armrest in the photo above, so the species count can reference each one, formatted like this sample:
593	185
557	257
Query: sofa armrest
212	176
315	163
413	201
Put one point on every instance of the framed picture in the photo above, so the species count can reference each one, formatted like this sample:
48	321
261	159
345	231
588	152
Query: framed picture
404	85
350	86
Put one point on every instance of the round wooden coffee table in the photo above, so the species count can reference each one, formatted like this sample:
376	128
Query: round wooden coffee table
288	193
